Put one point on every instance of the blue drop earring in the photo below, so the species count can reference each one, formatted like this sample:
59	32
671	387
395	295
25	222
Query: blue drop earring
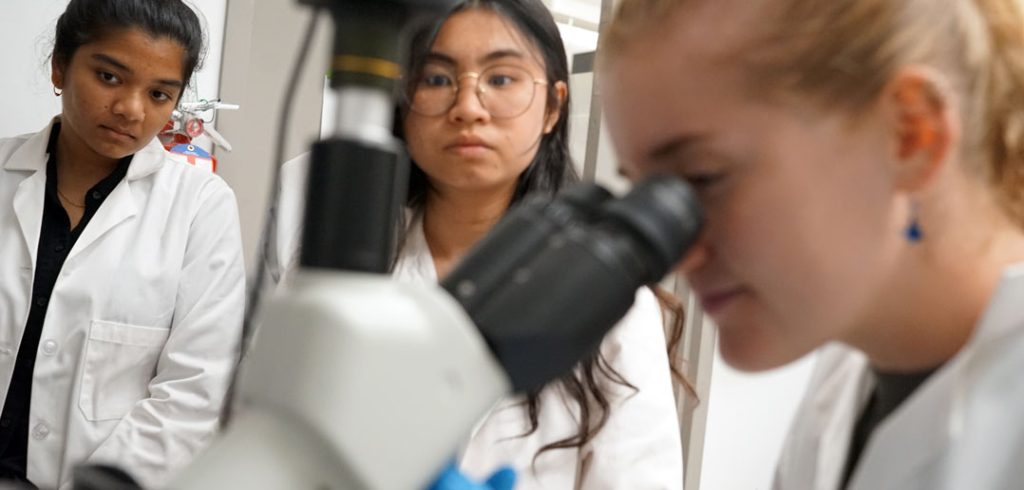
913	231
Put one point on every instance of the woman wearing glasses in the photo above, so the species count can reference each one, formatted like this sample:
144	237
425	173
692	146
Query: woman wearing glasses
486	124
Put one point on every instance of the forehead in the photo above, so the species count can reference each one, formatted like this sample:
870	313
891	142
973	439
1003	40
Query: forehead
471	35
147	56
682	76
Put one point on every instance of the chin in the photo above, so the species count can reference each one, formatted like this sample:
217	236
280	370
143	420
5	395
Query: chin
116	152
751	355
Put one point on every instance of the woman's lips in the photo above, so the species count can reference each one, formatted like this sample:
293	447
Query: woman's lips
118	134
717	301
469	149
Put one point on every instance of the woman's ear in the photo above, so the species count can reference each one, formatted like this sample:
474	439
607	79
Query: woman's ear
56	73
924	125
561	93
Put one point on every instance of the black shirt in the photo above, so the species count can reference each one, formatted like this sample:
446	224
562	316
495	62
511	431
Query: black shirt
891	390
56	238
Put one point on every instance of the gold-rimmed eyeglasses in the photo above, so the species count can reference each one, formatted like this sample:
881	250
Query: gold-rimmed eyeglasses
504	91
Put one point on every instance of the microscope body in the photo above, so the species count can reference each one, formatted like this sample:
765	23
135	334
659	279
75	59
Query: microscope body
377	404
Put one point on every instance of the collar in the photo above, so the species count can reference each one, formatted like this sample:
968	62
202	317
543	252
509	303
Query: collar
147	160
415	263
32	154
1004	316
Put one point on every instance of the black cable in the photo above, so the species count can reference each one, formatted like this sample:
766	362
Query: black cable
255	293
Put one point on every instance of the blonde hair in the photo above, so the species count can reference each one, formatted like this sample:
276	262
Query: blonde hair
841	53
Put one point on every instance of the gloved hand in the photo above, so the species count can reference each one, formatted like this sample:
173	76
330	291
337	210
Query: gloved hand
452	479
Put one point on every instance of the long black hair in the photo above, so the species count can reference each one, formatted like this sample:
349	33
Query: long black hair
550	171
86	21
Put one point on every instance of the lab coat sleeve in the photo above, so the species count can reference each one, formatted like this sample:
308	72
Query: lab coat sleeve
162	433
640	445
286	229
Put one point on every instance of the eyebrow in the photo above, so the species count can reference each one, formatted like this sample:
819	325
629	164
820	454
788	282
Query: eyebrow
121	66
492	56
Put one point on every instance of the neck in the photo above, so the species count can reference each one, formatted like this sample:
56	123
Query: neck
941	303
454	221
78	166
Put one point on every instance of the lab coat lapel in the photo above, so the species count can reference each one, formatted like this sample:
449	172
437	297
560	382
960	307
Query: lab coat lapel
29	198
838	405
146	161
118	207
28	207
903	445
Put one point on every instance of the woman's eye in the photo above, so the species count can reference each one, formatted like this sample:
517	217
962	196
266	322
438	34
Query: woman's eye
500	80
437	80
107	77
703	181
160	96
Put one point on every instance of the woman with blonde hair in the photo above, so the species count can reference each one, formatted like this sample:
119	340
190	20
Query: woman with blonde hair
861	165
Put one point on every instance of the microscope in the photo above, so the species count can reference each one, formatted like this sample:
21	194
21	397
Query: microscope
356	381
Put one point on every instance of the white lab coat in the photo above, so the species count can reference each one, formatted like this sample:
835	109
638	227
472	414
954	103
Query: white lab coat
963	428
142	328
639	447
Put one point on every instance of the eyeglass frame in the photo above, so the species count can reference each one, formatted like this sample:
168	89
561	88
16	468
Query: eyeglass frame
479	90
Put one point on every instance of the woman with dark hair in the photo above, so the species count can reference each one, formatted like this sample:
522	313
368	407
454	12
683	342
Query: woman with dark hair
121	275
486	124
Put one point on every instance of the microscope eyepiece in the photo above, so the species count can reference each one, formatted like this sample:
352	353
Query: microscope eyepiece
554	276
665	215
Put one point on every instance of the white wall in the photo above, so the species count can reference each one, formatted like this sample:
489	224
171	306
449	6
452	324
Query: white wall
260	49
207	80
748	419
26	38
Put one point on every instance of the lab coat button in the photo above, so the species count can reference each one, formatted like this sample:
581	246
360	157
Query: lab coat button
50	347
40	431
97	195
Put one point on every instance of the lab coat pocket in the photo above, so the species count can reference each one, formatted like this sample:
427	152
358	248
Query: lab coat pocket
120	361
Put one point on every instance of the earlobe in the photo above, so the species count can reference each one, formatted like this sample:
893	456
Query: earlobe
56	74
551	119
923	115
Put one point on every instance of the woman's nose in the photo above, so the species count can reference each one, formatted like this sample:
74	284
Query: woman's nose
468	106
130	106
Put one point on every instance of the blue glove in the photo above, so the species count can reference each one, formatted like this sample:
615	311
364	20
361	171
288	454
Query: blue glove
452	479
